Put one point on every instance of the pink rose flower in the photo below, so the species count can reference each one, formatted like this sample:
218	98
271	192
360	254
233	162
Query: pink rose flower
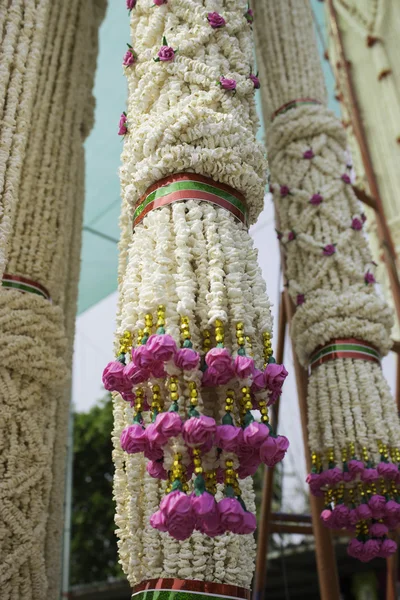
364	512
136	375
388	470
123	125
392	509
332	476
166	53
153	452
227	84
258	381
215	20
130	4
133	439
308	154
340	516
168	424
129	58
129	397
284	190
113	377
345	178
244	366
205	510
198	430
355	548
291	236
273	450
187	359
255	434
249	16
219	359
378	530
315	482
369	278
356	224
212	377
248	467
369	475
371	550
162	347
327	518
159	2
300	299
275	376
179	516
157	520
142	357
353	517
157	370
377	504
156	469
356	467
256	81
228	437
231	514
155	438
328	250
316	199
388	547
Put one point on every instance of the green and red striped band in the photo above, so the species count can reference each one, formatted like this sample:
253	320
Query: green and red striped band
24	285
293	104
345	348
182	589
190	186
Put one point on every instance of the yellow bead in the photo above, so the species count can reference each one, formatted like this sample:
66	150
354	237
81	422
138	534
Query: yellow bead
218	323
241	341
198	470
174	396
229	463
160	322
173	387
219	339
193	393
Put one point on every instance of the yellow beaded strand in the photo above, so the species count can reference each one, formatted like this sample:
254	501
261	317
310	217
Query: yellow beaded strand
267	347
125	343
219	331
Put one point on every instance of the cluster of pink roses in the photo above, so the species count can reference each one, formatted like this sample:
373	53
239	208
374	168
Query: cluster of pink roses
180	514
366	550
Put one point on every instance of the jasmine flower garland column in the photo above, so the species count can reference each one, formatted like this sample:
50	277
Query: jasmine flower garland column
39	286
341	326
193	352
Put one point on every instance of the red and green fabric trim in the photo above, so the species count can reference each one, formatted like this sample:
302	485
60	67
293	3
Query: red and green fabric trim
190	186
293	104
345	348
24	285
182	589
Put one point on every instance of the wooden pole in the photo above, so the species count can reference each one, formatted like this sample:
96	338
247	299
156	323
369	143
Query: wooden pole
383	230
260	575
325	555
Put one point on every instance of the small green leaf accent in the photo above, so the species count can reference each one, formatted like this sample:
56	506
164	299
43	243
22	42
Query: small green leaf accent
160	330
193	412
121	358
242	352
199	485
138	418
248	419
174	407
164	41
229	492
187	344
177	485
271	360
156	59
227	419
155	413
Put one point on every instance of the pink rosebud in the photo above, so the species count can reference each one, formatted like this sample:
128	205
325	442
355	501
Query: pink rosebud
369	278
113	377
155	438
275	376
355	548
377	504
181	530
159	2
333	476
136	375
157	520
369	475
388	547
258	381
255	80
340	516
356	467
364	512
346	178
227	84
273	450
327	518
353	517
356	224
166	53
245	452
249	524
371	550
243	366
308	154
212	377
388	470
162	347
206	512
392	509
249	466
129	397
300	299
284	190
157	370
249	16
315	482
219	359
291	236
231	514
176	504
156	469
255	434
215	20
198	430
129	58
168	424
378	530
228	437
187	359
316	199
133	439
130	4
123	125
153	452
142	357
328	250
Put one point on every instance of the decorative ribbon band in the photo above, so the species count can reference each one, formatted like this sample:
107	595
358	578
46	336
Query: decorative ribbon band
24	285
347	348
293	104
182	589
190	186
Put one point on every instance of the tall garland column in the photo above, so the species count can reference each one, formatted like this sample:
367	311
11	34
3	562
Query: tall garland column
42	201
194	327
341	325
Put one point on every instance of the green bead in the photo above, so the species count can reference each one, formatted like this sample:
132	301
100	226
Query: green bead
242	352
187	344
271	360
